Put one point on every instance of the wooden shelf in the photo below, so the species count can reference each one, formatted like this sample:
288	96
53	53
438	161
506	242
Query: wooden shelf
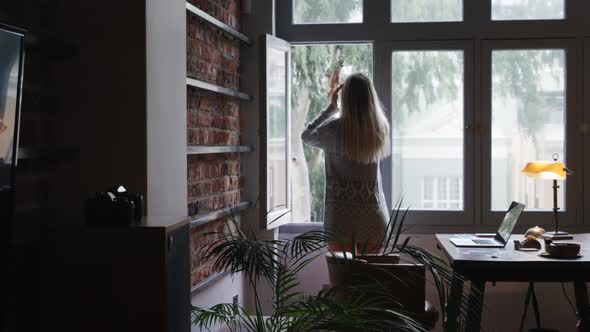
217	89
212	149
218	24
206	218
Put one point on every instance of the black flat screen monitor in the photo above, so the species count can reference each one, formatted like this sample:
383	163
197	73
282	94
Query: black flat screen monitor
11	79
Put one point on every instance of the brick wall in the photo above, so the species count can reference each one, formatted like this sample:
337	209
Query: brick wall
202	237
213	182
212	119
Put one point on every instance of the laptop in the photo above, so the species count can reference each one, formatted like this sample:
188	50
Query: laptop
502	235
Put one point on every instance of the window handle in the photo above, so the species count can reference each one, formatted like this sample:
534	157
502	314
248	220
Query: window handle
476	130
481	130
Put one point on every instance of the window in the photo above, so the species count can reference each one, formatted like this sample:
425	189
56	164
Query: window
528	123
470	100
506	10
426	10
441	192
327	11
311	65
277	124
276	120
427	121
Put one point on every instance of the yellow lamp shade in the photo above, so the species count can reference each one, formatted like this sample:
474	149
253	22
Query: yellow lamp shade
546	170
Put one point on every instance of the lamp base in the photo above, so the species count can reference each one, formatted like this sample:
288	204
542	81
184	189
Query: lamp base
561	235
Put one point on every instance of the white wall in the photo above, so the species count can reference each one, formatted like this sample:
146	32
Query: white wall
166	107
221	292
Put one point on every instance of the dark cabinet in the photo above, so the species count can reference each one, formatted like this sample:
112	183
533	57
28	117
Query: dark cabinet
134	278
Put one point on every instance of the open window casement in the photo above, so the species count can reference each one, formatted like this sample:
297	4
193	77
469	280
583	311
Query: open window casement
276	133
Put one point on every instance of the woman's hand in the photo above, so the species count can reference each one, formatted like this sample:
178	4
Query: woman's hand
334	81
335	96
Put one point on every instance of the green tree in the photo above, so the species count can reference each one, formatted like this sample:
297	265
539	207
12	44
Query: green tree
327	11
519	74
527	9
426	10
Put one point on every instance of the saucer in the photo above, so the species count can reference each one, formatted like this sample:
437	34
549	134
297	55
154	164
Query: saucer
528	249
546	254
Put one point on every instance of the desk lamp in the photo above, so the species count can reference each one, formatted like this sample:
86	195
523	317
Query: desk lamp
550	170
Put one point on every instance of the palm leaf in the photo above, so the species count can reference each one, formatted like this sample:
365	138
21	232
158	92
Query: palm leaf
278	263
443	277
227	314
323	313
391	225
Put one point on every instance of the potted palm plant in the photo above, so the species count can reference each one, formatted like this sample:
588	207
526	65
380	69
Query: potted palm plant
369	306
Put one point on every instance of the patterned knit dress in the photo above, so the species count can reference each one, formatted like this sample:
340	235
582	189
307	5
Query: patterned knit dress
355	206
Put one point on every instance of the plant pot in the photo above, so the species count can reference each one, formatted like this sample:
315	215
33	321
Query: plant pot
378	275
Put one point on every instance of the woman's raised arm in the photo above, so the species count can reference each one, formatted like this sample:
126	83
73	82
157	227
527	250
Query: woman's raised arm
312	135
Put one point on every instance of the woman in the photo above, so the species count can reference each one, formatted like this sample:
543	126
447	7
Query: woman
353	144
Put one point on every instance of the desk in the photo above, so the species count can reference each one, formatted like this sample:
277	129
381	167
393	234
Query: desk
479	266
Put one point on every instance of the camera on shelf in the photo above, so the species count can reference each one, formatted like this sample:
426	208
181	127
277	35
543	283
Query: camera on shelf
114	207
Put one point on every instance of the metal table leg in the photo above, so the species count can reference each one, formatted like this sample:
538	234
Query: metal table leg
582	305
476	296
454	305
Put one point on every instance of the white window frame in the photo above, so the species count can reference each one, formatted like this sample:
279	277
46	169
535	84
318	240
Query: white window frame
475	32
272	216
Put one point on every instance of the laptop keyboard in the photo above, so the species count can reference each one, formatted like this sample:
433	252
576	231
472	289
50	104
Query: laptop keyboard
480	241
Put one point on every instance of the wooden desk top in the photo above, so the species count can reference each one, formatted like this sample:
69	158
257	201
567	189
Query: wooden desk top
507	264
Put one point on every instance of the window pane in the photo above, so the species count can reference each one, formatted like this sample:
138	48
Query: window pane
277	133
455	189
427	124
327	11
528	123
426	10
311	65
428	189
442	193
528	9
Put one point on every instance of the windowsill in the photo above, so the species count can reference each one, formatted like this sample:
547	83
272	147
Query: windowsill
299	228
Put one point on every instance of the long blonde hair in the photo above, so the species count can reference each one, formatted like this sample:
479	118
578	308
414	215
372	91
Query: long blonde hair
365	129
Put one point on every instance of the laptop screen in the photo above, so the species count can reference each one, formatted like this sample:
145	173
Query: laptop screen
509	222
